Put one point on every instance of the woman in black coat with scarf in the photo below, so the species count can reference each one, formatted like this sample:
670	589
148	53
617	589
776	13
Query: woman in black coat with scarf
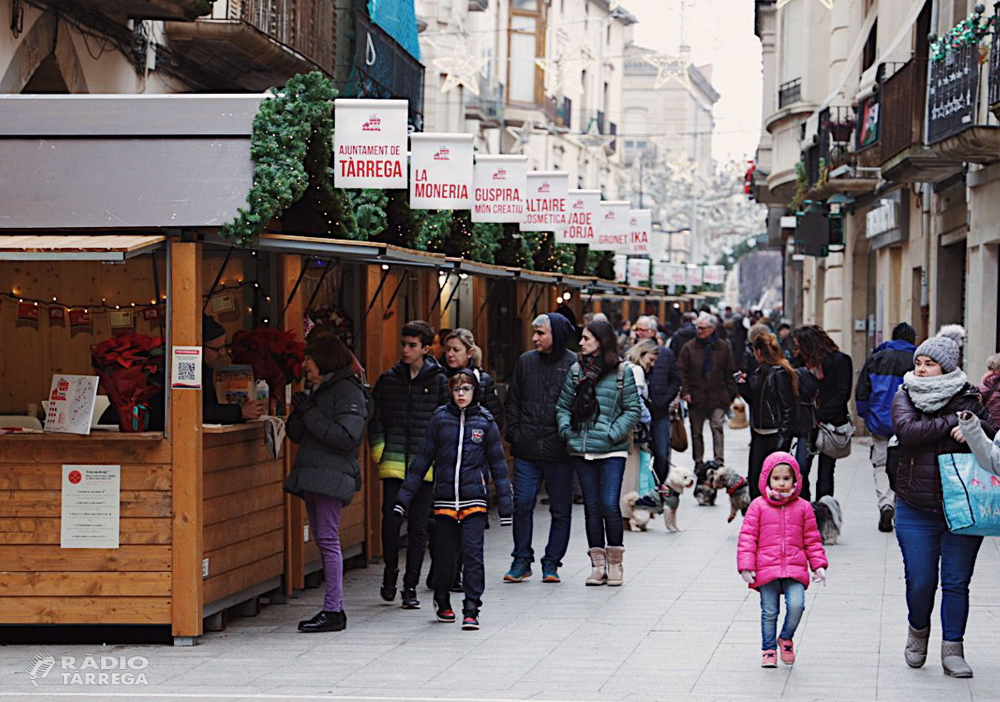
328	422
835	371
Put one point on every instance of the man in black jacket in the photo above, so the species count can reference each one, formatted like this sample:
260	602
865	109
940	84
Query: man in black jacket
405	398
683	335
539	452
664	383
213	356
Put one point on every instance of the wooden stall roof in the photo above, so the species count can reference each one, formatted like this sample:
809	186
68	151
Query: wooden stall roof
365	251
110	248
488	270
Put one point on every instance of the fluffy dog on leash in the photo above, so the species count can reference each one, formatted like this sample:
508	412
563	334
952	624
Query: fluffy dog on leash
664	499
704	490
829	518
738	489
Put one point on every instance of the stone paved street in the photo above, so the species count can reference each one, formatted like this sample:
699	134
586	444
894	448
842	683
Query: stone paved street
682	628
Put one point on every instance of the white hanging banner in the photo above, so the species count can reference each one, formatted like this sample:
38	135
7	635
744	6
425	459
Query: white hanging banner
662	274
583	211
500	185
640	223
678	273
440	171
694	275
715	275
621	267
545	202
638	270
369	143
612	232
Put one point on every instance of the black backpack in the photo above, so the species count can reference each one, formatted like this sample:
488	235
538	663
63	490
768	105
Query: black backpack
804	414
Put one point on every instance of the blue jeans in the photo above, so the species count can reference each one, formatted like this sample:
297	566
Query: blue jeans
925	540
558	477
660	430
770	604
601	481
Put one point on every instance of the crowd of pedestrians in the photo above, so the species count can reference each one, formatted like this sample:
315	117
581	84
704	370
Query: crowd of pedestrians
607	414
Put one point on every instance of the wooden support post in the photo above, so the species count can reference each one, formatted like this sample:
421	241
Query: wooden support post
186	437
480	289
289	270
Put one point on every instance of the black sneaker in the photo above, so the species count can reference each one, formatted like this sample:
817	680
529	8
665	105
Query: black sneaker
470	620
457	585
885	518
324	621
388	590
444	612
410	600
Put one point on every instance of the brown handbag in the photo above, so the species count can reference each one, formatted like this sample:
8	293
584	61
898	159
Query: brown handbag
678	432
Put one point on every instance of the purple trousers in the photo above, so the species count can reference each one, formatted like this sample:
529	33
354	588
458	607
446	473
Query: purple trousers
324	521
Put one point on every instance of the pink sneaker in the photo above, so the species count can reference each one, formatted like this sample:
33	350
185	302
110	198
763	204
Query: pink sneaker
769	659
787	649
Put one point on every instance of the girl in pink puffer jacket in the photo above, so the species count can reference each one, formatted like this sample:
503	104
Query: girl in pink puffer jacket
778	544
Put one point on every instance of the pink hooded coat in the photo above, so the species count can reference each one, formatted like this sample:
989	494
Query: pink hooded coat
780	540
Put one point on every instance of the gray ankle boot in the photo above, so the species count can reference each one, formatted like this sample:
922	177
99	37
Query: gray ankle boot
916	646
953	659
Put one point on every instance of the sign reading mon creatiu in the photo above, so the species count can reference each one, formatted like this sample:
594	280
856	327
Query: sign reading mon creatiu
370	143
612	232
500	184
441	171
583	209
545	203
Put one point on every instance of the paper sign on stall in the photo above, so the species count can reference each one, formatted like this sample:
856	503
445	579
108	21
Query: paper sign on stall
640	222
185	368
621	267
369	143
71	404
441	171
545	202
90	506
638	270
582	213
612	232
500	185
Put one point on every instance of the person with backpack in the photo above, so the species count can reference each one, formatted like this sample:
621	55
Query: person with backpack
462	442
328	422
405	398
598	408
880	378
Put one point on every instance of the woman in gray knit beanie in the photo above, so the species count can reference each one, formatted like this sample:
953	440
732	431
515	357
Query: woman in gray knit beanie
925	419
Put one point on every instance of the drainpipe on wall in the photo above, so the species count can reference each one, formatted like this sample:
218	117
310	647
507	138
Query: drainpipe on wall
925	220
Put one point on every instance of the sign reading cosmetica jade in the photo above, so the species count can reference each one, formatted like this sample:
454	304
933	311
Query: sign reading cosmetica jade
583	207
370	143
545	203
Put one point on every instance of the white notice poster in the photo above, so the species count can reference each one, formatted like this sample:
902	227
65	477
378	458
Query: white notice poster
621	267
441	171
640	222
185	368
71	404
582	213
612	232
369	143
545	202
638	271
500	184
90	506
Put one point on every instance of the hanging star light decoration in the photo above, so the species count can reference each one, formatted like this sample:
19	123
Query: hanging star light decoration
461	68
669	68
522	136
560	73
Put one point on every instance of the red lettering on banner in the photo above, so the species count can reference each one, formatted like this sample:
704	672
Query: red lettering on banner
420	175
371	169
497	194
441	190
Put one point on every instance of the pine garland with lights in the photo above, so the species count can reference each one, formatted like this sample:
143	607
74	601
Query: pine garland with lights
968	32
369	210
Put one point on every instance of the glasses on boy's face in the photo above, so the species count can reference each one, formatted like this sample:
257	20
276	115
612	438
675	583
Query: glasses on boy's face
463	390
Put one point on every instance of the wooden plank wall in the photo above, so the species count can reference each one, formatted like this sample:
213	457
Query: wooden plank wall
244	512
41	583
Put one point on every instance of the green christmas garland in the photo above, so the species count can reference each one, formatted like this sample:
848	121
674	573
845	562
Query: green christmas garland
968	32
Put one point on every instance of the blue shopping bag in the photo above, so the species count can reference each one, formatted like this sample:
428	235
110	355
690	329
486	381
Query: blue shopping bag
971	495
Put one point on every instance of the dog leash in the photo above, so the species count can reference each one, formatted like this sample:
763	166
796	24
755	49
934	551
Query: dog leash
740	483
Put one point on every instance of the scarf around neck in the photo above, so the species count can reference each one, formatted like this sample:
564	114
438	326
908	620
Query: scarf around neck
781	497
929	394
585	406
708	347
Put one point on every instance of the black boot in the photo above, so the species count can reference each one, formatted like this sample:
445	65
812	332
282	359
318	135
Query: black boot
443	610
410	600
470	616
388	590
325	621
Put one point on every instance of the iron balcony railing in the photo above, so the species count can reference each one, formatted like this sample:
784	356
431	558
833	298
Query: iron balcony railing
488	105
789	92
994	81
953	93
902	110
305	26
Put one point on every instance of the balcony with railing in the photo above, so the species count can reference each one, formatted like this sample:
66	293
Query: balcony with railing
487	107
257	44
957	124
182	10
789	93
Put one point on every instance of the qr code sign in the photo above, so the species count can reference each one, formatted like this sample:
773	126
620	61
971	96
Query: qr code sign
186	367
186	372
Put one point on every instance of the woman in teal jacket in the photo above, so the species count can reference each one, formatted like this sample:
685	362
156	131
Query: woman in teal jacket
597	411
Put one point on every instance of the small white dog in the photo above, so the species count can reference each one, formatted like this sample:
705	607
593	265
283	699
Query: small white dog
664	499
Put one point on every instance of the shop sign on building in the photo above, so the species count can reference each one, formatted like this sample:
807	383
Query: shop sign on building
612	230
441	171
500	183
582	213
370	143
545	203
887	222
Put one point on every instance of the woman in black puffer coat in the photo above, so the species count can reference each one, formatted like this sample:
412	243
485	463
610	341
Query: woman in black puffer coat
328	422
925	419
462	442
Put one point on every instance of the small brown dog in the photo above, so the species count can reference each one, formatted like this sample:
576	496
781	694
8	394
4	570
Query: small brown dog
738	489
